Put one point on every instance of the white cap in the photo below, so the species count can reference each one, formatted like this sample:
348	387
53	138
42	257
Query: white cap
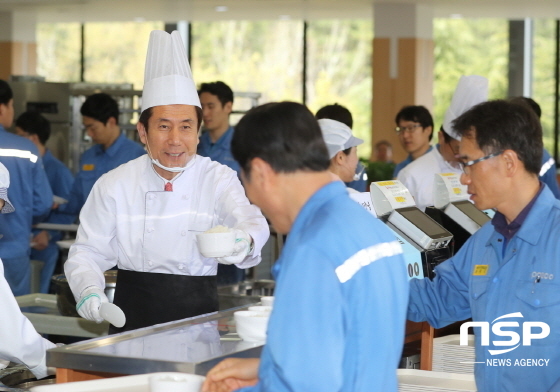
471	90
337	136
167	77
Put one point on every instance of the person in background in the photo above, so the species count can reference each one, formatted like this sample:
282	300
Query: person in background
342	148
215	143
19	342
341	114
506	270
383	152
33	202
548	168
100	116
419	176
37	128
326	335
415	127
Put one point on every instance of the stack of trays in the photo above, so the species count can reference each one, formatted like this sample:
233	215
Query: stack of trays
413	380
451	357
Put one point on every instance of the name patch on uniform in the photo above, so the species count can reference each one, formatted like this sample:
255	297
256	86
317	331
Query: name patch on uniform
480	270
88	167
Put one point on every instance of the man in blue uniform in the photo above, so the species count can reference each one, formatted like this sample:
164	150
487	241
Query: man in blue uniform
37	128
32	203
216	99
504	275
341	286
100	116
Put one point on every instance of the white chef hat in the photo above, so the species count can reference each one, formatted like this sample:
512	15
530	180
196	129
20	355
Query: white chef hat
471	90
337	136
167	77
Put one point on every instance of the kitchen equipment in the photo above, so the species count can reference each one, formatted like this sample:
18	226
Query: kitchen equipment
244	293
113	314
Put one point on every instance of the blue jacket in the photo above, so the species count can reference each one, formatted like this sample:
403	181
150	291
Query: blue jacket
548	173
30	194
95	162
219	151
340	302
479	282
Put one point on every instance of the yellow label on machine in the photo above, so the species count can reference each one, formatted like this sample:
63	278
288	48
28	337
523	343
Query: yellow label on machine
88	167
480	270
385	183
400	199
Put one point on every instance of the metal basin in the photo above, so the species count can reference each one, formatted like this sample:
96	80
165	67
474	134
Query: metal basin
65	299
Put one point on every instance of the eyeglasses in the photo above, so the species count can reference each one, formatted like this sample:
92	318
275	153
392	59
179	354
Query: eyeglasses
465	165
408	129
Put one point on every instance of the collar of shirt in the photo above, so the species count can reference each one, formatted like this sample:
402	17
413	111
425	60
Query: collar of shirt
508	231
113	148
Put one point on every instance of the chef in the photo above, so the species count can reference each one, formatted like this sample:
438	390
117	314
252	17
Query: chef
143	216
19	342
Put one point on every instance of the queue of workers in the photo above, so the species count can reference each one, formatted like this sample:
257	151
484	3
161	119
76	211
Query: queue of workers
343	329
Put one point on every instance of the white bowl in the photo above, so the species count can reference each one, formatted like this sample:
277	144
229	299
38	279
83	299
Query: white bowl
175	382
251	326
216	244
267	309
267	301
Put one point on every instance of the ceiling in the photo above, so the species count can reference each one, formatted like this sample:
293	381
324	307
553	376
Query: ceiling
174	10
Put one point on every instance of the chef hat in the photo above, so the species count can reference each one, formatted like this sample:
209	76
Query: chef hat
167	77
337	136
471	90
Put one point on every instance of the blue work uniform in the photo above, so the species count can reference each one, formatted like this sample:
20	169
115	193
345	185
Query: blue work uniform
340	302
95	162
60	180
491	277
221	152
399	166
32	199
548	173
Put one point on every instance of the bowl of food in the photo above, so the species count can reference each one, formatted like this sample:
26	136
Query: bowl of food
260	308
251	326
219	241
267	301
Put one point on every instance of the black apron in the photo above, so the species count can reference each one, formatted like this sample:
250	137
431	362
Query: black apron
148	298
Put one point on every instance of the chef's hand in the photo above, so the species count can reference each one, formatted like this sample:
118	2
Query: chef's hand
90	301
231	374
243	245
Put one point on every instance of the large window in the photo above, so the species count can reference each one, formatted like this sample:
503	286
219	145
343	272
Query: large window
58	51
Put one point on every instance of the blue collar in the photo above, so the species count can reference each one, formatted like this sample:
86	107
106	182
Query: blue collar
113	148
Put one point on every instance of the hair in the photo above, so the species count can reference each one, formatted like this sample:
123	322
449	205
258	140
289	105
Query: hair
35	124
417	114
336	112
501	125
531	103
286	135
147	114
6	94
219	89
100	107
446	137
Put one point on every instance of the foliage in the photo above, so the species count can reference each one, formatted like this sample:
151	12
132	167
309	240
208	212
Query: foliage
378	171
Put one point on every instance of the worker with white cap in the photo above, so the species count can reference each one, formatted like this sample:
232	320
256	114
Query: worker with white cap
143	217
419	175
342	147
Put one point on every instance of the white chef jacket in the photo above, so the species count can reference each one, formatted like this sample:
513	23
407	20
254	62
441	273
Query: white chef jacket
19	342
130	221
418	176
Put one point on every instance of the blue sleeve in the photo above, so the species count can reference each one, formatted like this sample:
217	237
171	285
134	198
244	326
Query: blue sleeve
42	193
63	186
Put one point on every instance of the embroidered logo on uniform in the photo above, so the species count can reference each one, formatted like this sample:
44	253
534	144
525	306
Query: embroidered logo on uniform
542	275
365	257
88	167
480	270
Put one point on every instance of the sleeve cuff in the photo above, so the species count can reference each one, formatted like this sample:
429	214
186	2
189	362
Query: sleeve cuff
8	207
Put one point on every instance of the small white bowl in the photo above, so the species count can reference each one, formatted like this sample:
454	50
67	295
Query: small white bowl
267	301
216	244
175	382
267	309
251	326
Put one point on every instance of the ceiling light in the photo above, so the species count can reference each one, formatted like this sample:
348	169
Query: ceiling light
221	8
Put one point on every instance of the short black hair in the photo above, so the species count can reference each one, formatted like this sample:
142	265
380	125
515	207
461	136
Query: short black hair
336	112
286	135
501	125
219	89
146	114
446	137
6	94
416	113
535	107
100	107
35	124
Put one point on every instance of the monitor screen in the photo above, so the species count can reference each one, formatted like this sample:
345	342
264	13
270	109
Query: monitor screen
423	222
468	208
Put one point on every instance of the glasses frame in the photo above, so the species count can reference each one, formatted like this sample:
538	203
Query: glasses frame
465	165
410	129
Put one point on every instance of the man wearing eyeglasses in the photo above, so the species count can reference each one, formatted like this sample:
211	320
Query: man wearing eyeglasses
415	128
504	276
418	176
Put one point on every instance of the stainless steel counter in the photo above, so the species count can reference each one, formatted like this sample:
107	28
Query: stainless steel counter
191	345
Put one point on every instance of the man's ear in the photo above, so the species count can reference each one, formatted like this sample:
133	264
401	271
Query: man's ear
262	174
512	161
228	107
141	132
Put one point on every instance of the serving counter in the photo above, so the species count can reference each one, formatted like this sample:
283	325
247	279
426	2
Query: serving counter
192	345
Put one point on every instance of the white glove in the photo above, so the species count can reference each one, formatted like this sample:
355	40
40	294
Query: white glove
90	301
243	246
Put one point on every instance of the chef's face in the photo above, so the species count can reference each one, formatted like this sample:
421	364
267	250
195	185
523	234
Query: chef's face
214	114
413	137
172	135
